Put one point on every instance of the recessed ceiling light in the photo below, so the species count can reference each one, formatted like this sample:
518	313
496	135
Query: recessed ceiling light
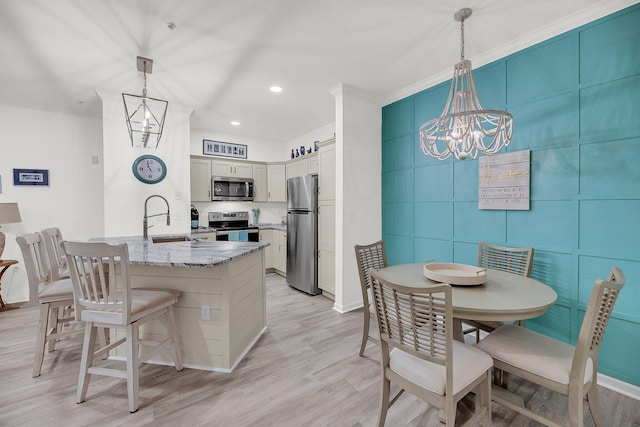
235	123
276	89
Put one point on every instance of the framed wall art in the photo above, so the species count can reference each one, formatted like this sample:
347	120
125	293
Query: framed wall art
504	181
30	177
224	149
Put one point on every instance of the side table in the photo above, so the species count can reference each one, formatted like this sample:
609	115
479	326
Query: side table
5	264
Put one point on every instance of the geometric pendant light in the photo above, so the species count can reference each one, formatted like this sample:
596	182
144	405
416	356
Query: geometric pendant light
465	128
145	116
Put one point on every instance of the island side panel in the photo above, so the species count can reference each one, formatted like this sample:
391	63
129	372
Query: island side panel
247	305
205	344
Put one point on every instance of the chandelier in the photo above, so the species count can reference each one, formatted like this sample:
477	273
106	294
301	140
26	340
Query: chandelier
145	116
464	128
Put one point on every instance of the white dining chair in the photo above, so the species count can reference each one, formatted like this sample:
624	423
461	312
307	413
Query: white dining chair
104	298
563	368
53	296
425	360
367	257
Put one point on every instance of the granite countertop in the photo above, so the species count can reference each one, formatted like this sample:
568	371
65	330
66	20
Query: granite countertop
191	253
202	230
278	226
275	226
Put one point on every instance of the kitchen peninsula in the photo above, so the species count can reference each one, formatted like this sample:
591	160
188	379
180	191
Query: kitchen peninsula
221	312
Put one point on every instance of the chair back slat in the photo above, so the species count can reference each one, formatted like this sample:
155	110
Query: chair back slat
36	263
368	257
52	238
504	258
416	320
100	276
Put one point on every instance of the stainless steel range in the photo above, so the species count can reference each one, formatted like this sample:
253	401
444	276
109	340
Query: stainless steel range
233	226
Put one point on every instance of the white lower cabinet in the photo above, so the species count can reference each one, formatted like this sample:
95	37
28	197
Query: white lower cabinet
326	247
266	236
205	236
280	252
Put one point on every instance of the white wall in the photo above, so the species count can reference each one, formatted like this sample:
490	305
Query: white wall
63	144
124	195
358	188
257	150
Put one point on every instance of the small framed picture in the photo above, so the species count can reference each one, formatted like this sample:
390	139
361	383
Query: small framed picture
30	177
224	149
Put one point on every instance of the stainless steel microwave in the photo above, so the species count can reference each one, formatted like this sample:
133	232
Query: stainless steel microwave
231	188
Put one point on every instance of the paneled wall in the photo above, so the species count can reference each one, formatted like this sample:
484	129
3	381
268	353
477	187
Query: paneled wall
576	105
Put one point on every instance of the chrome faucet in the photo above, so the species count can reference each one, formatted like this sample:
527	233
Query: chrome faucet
145	227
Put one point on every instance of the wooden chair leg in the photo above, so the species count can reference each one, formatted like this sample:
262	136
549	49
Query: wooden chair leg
55	327
485	400
88	348
365	330
41	339
133	349
171	327
576	418
384	401
594	405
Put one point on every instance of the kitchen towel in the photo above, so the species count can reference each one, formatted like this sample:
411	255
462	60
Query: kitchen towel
234	236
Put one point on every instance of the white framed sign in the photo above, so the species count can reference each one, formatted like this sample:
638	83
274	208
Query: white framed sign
504	181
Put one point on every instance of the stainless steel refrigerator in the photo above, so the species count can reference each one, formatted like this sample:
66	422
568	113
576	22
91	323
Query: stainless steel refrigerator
302	233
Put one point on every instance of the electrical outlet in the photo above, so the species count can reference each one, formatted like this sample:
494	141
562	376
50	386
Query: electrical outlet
206	312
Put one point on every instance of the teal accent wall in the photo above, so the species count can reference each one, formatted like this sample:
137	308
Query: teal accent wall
576	105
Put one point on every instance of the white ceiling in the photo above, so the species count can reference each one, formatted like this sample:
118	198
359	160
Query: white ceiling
224	54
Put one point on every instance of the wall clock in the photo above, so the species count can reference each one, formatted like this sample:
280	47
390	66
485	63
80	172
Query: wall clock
149	169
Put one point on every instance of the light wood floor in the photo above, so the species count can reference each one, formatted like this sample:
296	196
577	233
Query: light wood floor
305	371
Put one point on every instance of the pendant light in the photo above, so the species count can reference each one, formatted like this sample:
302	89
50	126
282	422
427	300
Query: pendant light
145	115
465	128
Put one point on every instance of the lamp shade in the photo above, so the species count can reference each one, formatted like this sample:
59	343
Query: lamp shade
9	213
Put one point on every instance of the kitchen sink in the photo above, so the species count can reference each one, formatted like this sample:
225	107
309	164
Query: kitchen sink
170	239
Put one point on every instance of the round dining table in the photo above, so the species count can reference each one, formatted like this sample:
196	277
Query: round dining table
502	297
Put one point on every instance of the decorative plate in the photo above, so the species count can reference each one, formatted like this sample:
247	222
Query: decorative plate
455	274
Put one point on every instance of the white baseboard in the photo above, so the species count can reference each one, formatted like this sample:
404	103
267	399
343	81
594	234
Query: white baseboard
619	386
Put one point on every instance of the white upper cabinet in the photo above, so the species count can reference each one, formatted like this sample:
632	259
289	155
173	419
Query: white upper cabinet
231	169
277	191
200	180
260	182
327	175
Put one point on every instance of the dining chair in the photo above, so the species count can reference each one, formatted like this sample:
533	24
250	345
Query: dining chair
104	299
425	360
504	258
57	261
563	368
54	297
367	257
